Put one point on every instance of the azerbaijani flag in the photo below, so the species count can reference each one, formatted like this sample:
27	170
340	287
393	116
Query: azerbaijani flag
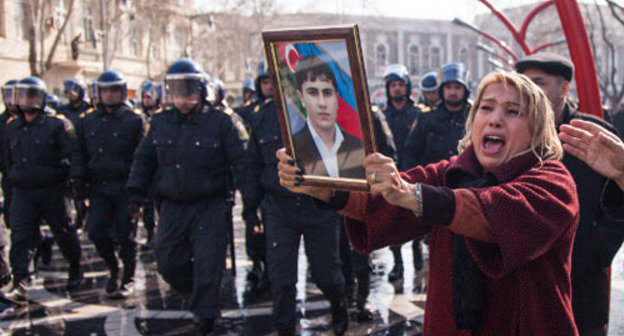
334	53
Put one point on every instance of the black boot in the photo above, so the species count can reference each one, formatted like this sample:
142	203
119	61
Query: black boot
340	316
75	277
289	331
363	289
111	282
203	326
396	273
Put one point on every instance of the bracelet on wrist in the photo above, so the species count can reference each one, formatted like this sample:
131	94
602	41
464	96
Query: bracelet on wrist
417	191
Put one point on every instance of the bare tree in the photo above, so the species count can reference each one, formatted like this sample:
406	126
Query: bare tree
611	85
113	27
42	20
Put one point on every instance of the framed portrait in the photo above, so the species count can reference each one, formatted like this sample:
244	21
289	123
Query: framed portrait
321	95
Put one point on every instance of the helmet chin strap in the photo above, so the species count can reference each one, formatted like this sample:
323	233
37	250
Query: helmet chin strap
399	98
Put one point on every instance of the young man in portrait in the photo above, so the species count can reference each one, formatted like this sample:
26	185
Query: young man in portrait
321	147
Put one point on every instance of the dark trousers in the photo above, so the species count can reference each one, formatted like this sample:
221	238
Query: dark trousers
286	221
255	243
110	226
28	208
190	247
355	268
149	218
7	193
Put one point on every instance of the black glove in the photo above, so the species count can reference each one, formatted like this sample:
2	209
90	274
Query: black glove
251	219
134	204
80	189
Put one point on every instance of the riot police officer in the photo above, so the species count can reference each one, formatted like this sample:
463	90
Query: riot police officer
430	96
151	95
75	91
287	217
108	136
400	113
249	90
219	93
38	144
185	159
434	136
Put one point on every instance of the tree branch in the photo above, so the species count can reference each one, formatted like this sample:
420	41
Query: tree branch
57	38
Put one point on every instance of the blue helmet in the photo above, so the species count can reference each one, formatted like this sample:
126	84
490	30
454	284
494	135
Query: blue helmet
219	88
262	73
454	72
30	94
248	84
429	82
109	79
75	85
7	91
397	72
153	89
185	77
52	102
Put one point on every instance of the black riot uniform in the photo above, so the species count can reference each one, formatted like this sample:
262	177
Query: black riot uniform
400	122
186	159
75	91
10	110
107	140
356	267
288	216
35	155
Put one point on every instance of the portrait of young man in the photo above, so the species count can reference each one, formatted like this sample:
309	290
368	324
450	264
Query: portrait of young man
321	147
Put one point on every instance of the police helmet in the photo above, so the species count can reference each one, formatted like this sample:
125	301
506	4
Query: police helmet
153	90
429	82
454	72
7	91
397	72
248	84
262	73
76	86
52	102
185	77
30	94
109	79
220	90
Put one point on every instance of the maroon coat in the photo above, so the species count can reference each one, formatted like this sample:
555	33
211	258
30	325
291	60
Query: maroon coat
533	214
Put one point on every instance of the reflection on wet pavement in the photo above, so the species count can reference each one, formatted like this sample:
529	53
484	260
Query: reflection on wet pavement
156	309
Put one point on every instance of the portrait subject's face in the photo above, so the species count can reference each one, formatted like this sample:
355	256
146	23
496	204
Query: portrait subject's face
320	99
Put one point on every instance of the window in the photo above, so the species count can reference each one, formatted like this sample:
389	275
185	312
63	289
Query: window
381	56
435	57
464	57
2	19
413	60
21	21
134	42
87	22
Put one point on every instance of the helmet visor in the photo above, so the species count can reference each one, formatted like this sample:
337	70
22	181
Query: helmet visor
184	86
29	97
7	95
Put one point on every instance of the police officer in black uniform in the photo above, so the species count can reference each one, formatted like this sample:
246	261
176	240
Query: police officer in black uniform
249	90
400	113
75	91
598	237
287	217
37	145
151	96
435	135
185	159
356	267
429	90
108	136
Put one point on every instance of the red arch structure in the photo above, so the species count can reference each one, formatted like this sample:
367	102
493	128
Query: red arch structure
578	44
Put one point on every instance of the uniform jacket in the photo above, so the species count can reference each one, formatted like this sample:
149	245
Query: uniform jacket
434	136
107	142
527	269
72	113
188	158
350	155
400	122
36	153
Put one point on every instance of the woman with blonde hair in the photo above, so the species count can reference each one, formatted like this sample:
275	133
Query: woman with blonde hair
501	217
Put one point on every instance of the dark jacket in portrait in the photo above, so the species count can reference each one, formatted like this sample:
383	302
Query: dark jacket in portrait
350	155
